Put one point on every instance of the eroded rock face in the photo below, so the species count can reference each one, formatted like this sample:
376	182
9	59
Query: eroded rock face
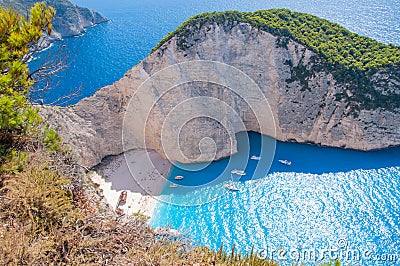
69	20
303	110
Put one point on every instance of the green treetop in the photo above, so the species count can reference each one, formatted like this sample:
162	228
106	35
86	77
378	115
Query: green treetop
18	38
330	40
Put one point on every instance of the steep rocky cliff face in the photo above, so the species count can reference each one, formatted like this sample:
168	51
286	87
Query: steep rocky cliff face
69	20
303	96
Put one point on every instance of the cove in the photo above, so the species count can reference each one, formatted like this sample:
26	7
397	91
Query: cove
327	198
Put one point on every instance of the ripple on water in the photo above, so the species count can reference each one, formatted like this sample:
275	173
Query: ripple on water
107	51
295	210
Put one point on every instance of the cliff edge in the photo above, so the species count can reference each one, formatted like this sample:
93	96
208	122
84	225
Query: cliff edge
69	20
331	100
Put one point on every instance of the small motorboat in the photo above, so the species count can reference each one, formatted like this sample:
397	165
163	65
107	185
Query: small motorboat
238	172
231	188
285	162
257	158
178	177
173	185
167	232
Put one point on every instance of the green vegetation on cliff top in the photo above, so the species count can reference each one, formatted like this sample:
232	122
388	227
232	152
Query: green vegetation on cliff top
332	41
50	214
23	6
69	19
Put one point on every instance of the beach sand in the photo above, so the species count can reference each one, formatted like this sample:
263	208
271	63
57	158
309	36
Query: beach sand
142	174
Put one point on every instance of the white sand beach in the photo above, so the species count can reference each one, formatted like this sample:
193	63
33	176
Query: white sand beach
142	174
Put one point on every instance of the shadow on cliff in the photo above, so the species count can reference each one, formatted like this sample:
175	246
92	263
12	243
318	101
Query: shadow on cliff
317	160
305	158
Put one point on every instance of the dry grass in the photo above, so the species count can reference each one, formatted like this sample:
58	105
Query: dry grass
49	215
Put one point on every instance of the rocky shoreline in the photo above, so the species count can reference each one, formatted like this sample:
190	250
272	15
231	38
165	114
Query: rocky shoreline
70	20
93	127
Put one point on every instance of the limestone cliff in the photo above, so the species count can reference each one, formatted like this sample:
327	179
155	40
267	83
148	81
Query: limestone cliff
69	20
315	107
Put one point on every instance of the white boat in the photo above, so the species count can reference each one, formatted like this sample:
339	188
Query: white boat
286	162
257	158
167	232
178	177
173	185
238	172
231	188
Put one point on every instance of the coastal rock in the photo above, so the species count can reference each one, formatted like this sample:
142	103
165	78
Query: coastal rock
305	111
69	20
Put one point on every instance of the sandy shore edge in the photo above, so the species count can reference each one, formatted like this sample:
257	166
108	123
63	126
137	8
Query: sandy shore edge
142	174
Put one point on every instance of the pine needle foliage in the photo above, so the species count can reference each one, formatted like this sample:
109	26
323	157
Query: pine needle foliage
49	212
19	121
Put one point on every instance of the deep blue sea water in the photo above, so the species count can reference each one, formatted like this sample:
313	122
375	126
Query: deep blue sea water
107	51
328	200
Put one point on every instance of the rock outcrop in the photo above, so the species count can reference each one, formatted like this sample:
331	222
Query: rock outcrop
69	20
72	20
307	111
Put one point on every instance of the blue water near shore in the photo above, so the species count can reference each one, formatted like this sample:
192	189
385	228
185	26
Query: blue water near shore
107	51
328	198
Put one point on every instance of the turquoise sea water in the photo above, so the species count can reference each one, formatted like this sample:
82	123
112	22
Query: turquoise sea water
107	51
336	199
341	200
